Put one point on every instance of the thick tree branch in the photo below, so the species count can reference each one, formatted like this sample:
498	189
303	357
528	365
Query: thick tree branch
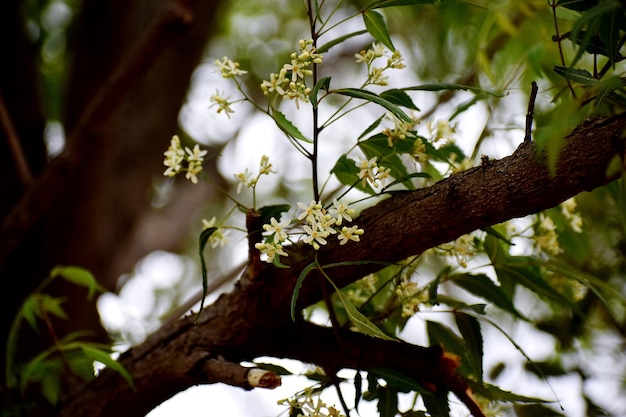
255	319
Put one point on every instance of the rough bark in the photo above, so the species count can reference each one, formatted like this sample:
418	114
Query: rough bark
254	319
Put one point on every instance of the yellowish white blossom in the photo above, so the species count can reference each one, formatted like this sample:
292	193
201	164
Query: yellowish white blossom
546	238
222	103
568	208
400	131
441	130
371	172
229	68
244	179
341	211
350	233
266	166
175	156
270	250
277	229
419	151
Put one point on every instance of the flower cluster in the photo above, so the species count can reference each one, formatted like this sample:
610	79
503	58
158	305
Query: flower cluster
400	130
371	172
176	156
411	297
441	130
462	249
568	208
290	80
307	406
546	238
245	177
318	225
229	68
375	74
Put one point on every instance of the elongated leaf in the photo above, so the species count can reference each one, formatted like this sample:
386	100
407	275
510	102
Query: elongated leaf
379	4
362	323
374	98
371	127
376	26
399	98
106	359
493	392
202	241
326	47
437	404
78	276
473	338
578	75
448	86
323	84
482	286
400	381
439	334
387	402
286	126
296	288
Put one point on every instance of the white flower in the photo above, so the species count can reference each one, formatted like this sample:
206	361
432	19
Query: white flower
244	179
341	211
174	157
277	229
270	250
193	169
368	170
315	237
349	233
266	167
222	103
310	212
229	68
195	155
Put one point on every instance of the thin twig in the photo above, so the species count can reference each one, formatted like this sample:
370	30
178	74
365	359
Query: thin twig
21	165
531	112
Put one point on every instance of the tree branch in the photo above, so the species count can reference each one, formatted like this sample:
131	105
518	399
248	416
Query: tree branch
255	318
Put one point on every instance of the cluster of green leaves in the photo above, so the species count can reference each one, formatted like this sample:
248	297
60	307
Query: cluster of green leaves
69	359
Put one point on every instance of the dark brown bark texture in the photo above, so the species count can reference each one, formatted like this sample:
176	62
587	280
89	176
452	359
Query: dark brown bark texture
254	319
91	206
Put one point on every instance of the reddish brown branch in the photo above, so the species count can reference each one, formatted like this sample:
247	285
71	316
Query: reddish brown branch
254	318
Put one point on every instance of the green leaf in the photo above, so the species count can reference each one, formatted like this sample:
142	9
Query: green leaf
202	241
326	47
371	127
379	4
78	276
493	392
399	381
575	74
323	84
286	126
278	370
296	288
472	335
535	410
387	402
439	334
399	98
437	404
362	323
448	86
374	98
376	26
275	210
106	359
482	286
347	173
